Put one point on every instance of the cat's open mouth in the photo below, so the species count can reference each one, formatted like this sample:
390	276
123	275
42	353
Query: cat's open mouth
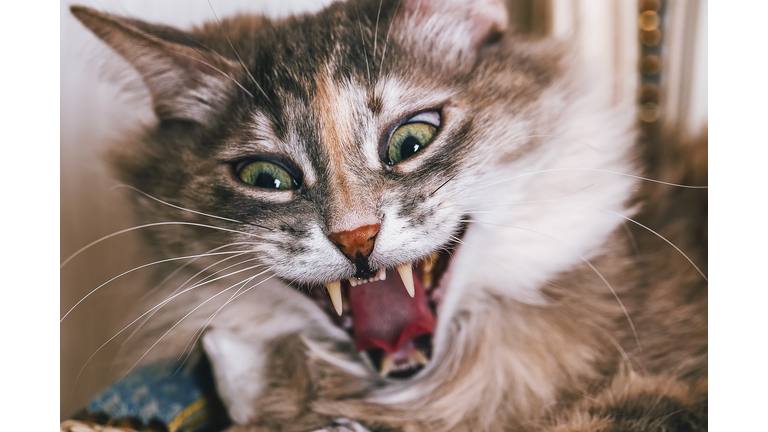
392	316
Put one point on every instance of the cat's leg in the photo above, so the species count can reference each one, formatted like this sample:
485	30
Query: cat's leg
274	383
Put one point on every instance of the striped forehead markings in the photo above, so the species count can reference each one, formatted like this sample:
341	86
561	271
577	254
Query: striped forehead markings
337	134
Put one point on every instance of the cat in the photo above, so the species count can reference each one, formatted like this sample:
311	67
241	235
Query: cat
426	219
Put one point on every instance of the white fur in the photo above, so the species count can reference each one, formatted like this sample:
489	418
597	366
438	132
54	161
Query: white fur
238	367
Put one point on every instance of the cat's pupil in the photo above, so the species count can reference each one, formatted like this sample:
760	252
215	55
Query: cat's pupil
267	181
410	146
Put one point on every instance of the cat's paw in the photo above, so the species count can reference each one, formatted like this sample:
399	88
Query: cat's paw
274	382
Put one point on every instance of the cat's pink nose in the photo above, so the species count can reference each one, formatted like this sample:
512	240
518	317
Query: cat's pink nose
358	241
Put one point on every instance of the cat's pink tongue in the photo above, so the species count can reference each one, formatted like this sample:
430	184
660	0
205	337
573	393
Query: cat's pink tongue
386	317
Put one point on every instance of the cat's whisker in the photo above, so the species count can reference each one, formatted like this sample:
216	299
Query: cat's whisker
124	343
109	236
567	138
493	259
214	273
192	261
583	259
174	295
201	328
188	210
386	40
529	202
599	274
621	216
476	188
619	348
490	157
376	34
139	268
240	60
231	299
207	63
205	323
190	313
631	237
362	38
154	308
441	186
478	167
201	283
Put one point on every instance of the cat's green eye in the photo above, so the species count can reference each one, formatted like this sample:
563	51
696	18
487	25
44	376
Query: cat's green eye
267	175
411	138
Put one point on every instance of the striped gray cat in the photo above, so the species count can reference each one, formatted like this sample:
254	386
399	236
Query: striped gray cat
402	216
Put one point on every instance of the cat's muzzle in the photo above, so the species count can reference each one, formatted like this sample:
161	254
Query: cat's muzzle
390	313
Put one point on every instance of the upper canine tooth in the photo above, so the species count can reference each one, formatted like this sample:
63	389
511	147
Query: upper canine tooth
406	274
387	365
420	357
334	290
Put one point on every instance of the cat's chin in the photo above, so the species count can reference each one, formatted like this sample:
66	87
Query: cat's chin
393	326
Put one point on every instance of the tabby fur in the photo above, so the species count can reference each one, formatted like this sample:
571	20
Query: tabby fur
560	315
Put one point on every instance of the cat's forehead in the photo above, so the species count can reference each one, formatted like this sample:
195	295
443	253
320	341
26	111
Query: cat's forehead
340	110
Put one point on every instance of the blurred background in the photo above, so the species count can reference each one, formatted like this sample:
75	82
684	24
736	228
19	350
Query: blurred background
651	52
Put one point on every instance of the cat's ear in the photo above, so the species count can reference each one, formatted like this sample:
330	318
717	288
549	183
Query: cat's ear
186	82
464	24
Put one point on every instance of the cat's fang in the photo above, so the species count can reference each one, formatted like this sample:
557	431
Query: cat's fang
334	290
430	262
419	357
387	366
406	274
426	270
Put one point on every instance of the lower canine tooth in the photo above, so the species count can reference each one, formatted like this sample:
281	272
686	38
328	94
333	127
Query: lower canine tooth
426	280
420	357
334	290
429	263
387	365
407	276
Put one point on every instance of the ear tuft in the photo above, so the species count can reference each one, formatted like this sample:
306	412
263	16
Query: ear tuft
186	83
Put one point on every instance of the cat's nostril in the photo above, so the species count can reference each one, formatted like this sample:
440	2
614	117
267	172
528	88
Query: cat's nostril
359	241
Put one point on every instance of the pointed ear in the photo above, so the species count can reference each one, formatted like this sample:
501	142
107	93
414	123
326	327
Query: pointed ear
463	24
186	82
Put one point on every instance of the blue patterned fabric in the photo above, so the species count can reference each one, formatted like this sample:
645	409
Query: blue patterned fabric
183	400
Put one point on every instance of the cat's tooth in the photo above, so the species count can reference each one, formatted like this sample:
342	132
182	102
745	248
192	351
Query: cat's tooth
334	290
382	274
406	274
420	357
427	267
387	365
429	263
426	280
